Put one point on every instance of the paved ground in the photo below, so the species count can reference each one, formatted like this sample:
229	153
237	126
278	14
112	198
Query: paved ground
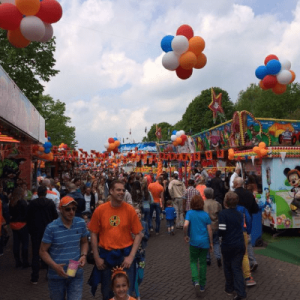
167	276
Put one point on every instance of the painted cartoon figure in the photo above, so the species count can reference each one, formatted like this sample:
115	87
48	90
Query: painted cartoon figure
293	177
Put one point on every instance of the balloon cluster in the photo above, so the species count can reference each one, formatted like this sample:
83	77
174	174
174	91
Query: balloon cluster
112	145
29	20
63	146
183	52
178	137
261	150
275	74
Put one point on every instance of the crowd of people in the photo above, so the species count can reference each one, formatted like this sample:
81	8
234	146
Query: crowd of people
106	218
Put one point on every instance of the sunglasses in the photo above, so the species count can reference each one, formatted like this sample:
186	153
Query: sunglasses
68	209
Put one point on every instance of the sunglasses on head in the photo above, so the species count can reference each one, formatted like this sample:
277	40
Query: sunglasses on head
68	209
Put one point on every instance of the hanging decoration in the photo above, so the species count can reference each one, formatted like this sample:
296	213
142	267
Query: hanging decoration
216	106
29	20
275	74
183	52
178	137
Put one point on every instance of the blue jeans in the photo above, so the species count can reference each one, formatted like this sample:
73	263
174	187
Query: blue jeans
147	218
156	207
216	243
106	281
232	262
72	287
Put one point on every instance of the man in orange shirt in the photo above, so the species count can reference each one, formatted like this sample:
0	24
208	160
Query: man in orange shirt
157	191
112	226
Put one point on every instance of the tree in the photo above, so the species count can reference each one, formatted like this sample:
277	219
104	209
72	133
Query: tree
25	66
266	104
56	122
165	128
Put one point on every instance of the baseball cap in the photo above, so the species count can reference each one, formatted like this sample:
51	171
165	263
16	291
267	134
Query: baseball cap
66	201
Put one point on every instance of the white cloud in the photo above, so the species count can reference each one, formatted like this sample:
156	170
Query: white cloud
109	57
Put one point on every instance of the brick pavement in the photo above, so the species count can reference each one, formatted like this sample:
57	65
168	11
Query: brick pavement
167	276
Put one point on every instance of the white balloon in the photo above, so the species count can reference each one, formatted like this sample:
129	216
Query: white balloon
285	64
8	1
181	132
106	145
170	61
48	33
284	77
178	133
32	28
173	137
180	44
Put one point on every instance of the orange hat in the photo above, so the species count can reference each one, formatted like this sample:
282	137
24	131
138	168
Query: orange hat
66	201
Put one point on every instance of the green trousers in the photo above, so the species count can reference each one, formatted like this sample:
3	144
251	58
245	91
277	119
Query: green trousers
198	256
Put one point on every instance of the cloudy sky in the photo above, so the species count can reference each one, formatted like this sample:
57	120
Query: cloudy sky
109	57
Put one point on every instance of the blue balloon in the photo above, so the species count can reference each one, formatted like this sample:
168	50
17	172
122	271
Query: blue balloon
47	145
47	150
273	67
174	132
49	138
115	138
261	72
166	43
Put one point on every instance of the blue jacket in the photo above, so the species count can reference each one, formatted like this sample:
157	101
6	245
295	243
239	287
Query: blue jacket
170	213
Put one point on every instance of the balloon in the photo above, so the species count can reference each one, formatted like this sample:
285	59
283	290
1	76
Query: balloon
284	77
32	28
178	134
28	7
180	44
173	137
117	143
48	33
184	74
262	145
181	132
188	60
41	149
16	38
47	145
115	138
273	67
256	150
182	143
178	140
106	145
184	137
10	17
50	11
47	150
293	76
166	43
170	61
269	81
196	45
270	57
261	84
186	31
279	89
111	140
261	72
285	64
174	132
264	152
201	61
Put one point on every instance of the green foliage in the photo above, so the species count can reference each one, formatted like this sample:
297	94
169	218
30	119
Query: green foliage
27	65
56	122
197	116
266	104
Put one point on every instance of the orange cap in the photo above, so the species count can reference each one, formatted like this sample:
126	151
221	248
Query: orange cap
66	201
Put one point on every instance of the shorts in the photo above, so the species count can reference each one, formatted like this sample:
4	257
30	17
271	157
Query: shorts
170	223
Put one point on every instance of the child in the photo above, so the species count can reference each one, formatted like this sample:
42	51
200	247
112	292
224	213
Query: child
120	285
170	216
140	256
233	246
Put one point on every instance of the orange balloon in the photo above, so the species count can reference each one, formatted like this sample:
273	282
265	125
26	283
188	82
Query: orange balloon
279	89
201	61
196	45
264	152
262	145
293	76
256	150
117	143
178	140
261	84
28	7
17	39
41	149
187	60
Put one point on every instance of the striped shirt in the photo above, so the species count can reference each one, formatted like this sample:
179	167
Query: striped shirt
65	242
188	195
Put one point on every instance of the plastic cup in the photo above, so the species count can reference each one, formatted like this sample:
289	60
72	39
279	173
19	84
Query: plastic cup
72	268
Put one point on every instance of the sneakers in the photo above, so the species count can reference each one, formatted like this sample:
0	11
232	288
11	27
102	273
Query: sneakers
33	282
229	293
197	289
202	288
250	281
253	267
219	261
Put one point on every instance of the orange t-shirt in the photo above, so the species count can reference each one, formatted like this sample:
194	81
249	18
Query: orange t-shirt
156	189
115	225
201	188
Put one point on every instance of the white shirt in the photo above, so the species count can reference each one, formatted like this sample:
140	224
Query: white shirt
233	176
87	203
